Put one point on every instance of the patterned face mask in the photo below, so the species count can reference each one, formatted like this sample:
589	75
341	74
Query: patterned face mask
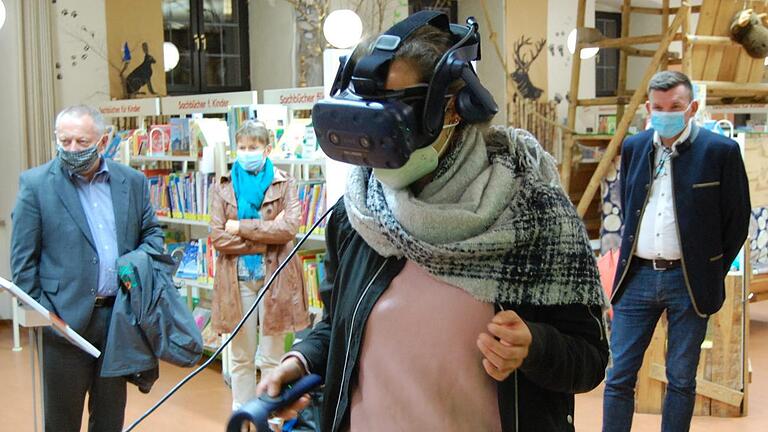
78	161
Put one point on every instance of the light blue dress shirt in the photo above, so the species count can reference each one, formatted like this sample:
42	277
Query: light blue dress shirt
96	199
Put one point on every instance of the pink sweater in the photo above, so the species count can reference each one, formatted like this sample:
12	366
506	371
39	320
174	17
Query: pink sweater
420	368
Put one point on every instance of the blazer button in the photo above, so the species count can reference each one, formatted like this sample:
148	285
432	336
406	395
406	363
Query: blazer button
631	238
94	260
569	419
624	262
647	186
637	212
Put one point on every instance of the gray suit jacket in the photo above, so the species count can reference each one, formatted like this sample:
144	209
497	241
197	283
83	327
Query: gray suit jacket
53	257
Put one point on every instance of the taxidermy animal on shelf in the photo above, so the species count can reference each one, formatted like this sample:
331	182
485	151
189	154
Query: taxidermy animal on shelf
142	75
748	29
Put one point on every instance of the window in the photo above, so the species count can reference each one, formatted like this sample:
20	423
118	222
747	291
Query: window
607	61
212	39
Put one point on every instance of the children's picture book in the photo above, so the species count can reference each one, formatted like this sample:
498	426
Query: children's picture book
159	140
179	128
188	267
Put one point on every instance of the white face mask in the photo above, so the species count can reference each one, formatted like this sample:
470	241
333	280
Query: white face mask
422	162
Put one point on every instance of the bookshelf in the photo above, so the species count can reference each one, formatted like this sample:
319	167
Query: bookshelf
209	122
148	159
177	221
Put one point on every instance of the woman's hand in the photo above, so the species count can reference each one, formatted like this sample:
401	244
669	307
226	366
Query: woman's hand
232	227
290	370
507	345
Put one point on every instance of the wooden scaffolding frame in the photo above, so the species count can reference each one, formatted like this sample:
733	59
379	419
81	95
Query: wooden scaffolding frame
731	76
704	58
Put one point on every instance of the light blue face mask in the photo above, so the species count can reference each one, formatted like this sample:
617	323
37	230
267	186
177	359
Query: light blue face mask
251	161
668	124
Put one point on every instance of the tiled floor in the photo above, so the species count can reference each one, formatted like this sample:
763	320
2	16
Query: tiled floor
204	403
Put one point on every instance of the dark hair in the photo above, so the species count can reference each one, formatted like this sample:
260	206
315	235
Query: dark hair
667	80
422	49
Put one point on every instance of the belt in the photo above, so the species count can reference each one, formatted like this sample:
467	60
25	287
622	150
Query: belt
104	301
659	264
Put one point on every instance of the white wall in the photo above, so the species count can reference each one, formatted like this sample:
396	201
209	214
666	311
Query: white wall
81	31
272	36
560	21
490	69
11	125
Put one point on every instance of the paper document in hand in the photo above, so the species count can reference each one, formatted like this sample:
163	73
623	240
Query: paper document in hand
51	318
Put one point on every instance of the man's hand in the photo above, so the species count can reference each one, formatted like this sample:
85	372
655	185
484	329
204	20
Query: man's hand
290	370
507	345
232	227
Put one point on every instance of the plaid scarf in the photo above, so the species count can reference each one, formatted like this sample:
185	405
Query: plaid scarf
494	221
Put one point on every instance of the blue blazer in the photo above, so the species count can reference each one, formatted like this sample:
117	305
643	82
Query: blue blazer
711	196
53	256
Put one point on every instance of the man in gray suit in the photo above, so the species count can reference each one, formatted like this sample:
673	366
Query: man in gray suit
74	216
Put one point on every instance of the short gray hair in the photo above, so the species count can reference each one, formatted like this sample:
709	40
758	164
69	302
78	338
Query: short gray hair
84	110
253	129
667	80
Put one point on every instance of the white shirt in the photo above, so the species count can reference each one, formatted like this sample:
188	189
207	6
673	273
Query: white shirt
658	238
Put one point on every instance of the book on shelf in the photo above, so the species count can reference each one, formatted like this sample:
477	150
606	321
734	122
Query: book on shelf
313	272
179	128
188	267
312	200
198	262
274	118
211	340
159	140
205	132
181	195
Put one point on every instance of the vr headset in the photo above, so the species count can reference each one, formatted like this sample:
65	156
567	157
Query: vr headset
362	123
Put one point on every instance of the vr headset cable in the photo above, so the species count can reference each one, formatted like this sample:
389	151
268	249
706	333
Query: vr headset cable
236	329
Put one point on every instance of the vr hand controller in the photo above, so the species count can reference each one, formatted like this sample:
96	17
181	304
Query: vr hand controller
258	411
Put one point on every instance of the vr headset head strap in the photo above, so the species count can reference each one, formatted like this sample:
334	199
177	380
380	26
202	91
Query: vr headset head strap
370	74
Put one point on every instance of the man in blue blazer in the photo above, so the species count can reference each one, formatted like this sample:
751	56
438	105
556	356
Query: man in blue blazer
74	216
685	203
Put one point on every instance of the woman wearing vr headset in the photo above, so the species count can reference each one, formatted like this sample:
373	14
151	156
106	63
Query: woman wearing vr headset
255	214
466	296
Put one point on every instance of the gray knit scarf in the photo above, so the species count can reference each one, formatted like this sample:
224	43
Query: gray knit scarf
494	221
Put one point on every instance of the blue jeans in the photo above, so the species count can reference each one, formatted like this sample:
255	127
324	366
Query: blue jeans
646	295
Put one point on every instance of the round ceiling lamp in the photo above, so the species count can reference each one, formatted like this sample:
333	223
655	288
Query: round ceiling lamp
2	13
170	56
585	53
343	28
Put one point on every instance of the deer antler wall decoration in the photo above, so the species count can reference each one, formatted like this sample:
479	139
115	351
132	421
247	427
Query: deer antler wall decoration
524	58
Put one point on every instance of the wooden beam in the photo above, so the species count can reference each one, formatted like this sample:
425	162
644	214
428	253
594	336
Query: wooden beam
746	367
636	52
637	98
703	387
664	27
627	41
622	84
687	51
724	89
660	11
573	95
602	101
708	40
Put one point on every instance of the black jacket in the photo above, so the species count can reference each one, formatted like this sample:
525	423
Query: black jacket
568	354
711	196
